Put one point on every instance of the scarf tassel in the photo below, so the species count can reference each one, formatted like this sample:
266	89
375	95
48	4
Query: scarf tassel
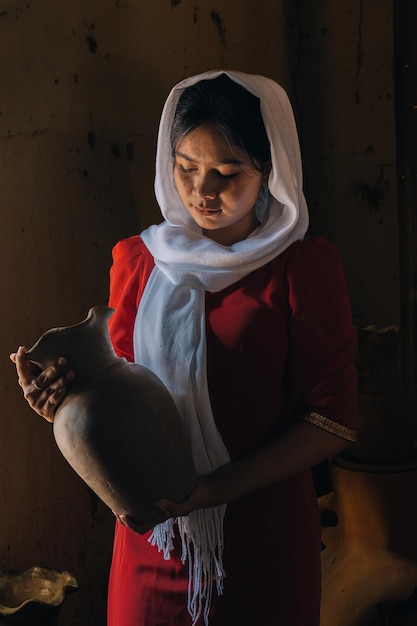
202	541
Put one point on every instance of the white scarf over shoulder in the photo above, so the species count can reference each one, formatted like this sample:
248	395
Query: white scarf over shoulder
169	335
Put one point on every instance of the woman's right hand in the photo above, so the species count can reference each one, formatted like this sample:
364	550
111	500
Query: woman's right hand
43	390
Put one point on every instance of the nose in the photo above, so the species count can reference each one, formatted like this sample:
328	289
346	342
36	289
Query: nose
205	187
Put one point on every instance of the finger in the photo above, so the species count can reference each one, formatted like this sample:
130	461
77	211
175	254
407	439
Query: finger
46	401
55	397
140	527
48	380
24	369
168	507
21	351
46	410
50	374
121	519
53	393
49	402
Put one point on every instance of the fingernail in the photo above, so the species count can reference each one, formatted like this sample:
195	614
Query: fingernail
41	379
62	361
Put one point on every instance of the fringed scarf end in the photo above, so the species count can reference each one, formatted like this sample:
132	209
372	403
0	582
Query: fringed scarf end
202	541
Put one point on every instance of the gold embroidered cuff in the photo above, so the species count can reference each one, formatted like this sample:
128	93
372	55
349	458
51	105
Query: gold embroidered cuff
332	427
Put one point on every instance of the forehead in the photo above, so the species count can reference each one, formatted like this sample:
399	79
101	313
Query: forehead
206	144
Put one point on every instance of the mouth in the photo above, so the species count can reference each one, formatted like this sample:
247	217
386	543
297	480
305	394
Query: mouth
205	210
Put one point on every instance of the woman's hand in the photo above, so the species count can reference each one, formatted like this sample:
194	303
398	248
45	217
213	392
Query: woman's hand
43	390
301	447
140	527
198	499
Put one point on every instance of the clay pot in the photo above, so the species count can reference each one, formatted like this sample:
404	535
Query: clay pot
118	426
33	596
370	558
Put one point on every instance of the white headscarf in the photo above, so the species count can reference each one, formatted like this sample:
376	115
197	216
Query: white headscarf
169	336
180	250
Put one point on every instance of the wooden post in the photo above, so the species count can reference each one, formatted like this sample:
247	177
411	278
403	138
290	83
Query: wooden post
405	72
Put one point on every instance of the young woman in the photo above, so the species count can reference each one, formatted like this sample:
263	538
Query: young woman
248	324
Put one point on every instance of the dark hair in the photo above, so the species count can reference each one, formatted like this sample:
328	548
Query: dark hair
231	108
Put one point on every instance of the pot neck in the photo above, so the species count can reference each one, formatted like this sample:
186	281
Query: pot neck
86	346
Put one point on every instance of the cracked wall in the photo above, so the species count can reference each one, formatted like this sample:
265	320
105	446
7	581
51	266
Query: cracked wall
81	93
344	94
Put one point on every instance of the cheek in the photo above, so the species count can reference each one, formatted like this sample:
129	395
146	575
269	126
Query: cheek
247	194
181	184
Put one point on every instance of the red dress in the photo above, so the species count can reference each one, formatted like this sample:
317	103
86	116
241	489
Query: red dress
280	346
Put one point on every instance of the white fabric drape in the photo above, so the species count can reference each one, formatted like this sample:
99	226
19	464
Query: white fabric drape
180	251
169	335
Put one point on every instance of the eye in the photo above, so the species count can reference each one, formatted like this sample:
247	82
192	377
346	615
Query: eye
220	175
186	170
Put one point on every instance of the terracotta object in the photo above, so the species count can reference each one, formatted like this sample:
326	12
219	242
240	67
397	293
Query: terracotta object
30	595
370	559
117	426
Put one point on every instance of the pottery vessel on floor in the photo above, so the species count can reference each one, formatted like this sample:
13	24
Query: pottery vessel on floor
118	426
34	596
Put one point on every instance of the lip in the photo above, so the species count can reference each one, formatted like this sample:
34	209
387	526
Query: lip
206	210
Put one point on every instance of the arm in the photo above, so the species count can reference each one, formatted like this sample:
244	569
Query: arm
303	446
323	376
323	388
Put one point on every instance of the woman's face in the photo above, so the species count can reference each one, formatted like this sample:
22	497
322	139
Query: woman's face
218	185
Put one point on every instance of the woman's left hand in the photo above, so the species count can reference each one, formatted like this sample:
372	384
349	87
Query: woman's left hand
301	447
139	527
198	499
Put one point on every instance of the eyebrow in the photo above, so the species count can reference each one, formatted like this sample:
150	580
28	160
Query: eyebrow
225	162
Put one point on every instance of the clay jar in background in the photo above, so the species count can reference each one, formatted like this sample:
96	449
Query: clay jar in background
117	426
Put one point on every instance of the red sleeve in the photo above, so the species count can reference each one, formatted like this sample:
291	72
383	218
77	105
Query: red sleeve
132	264
323	340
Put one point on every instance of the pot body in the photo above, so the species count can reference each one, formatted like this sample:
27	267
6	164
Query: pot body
118	426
